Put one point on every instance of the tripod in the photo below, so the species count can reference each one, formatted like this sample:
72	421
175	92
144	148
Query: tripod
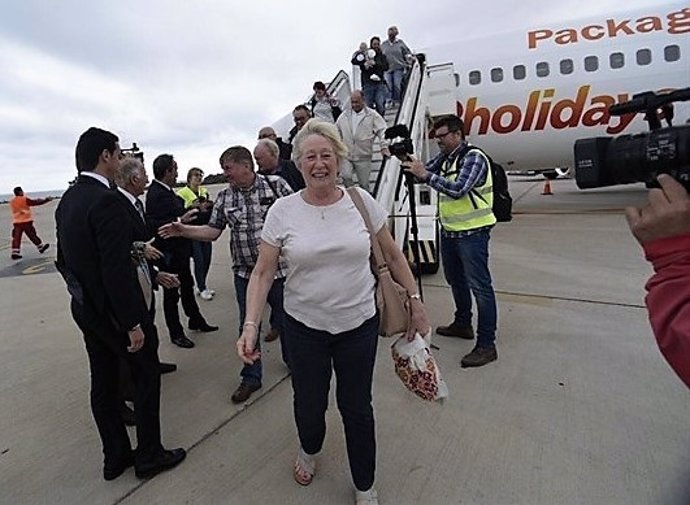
414	230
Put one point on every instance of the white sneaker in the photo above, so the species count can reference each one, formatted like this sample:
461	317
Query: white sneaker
206	295
369	497
212	291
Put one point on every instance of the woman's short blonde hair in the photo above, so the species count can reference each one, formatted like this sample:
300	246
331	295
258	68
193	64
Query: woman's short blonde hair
324	129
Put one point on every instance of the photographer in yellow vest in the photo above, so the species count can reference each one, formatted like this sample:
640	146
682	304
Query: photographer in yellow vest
461	174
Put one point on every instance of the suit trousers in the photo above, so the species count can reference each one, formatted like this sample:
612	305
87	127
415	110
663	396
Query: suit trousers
178	263
106	346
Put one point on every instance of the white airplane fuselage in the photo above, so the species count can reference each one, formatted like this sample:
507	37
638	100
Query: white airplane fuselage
527	96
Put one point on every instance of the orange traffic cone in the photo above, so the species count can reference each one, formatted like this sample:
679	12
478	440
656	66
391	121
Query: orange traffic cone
547	188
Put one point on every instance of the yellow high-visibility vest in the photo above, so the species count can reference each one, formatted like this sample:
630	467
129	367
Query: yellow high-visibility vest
471	211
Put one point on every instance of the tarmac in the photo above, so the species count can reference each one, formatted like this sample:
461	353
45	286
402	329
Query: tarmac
580	407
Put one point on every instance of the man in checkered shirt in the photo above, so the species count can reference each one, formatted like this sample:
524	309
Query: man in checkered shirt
242	207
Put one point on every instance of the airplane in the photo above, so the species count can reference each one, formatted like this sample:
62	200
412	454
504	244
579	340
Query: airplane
527	96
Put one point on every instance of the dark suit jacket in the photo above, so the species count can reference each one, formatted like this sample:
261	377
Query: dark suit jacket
94	243
140	231
288	171
163	206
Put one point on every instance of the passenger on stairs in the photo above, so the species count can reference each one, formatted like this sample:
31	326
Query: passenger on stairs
324	106
359	126
373	65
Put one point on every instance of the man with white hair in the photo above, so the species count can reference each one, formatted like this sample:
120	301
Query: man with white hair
266	154
358	127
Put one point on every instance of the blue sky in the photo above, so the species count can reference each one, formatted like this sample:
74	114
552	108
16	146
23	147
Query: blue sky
192	78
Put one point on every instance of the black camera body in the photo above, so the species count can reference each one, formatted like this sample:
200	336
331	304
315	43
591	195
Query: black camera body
402	148
134	152
609	161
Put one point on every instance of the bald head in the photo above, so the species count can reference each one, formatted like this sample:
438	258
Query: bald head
267	133
357	100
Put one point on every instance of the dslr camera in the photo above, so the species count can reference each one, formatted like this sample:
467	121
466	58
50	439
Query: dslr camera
609	161
401	147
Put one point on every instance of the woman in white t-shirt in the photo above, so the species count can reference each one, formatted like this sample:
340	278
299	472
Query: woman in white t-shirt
331	321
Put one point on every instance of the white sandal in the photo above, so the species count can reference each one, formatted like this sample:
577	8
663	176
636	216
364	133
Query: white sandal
305	467
369	497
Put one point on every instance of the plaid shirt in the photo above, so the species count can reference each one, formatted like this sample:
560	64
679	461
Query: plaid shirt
472	170
244	211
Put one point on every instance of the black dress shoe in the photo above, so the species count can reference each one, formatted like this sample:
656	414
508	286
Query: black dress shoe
165	461
202	326
127	415
112	472
182	341
168	367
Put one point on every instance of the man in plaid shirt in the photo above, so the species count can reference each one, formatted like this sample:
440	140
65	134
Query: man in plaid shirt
242	207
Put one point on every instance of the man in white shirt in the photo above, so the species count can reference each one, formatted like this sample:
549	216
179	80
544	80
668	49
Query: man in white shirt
358	127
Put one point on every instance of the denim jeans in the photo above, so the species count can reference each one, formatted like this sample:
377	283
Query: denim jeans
252	374
375	96
315	354
466	267
201	252
394	80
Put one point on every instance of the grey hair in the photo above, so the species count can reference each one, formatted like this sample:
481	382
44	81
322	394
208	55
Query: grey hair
323	129
271	146
129	166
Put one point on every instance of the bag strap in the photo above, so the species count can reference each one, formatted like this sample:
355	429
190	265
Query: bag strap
379	260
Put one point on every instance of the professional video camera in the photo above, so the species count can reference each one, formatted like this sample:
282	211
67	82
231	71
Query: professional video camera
403	147
134	152
607	161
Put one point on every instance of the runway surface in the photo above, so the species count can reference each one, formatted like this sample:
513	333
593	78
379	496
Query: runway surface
580	407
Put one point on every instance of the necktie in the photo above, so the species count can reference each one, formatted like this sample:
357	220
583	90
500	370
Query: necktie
140	209
145	282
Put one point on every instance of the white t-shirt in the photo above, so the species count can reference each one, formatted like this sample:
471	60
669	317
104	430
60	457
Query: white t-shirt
329	284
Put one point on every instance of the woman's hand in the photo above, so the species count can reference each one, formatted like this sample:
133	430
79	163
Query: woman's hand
419	321
246	345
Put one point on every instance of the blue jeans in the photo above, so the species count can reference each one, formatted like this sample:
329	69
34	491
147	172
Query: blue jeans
375	96
315	354
201	252
252	374
466	267
394	80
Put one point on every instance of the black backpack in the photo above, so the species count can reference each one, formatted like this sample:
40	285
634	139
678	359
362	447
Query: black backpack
502	201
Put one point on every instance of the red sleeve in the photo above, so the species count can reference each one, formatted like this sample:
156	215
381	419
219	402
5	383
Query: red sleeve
668	300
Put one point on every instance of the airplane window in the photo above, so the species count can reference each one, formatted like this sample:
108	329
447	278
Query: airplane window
496	74
617	60
644	57
567	66
519	72
671	53
542	69
591	63
475	77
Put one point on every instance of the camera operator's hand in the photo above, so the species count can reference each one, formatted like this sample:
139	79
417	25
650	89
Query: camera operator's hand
416	168
666	215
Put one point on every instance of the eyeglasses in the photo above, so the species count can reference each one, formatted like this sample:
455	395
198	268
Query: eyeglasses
300	119
441	136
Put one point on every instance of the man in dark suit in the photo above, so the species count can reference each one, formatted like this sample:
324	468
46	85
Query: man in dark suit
131	180
94	245
163	206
